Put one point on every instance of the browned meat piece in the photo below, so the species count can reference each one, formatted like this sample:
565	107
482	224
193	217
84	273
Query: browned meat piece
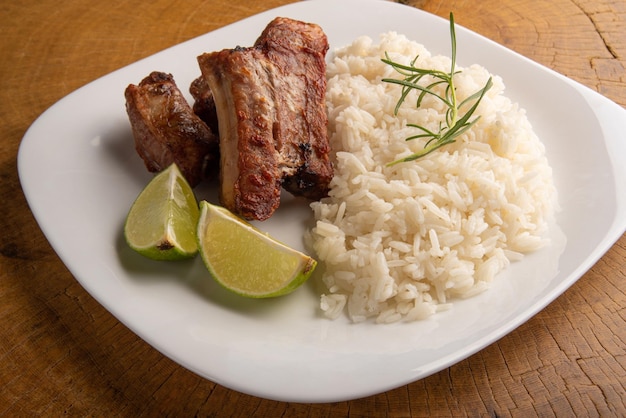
297	50
204	105
249	176
272	118
166	130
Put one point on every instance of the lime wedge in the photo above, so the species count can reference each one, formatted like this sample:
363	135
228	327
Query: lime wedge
161	223
245	260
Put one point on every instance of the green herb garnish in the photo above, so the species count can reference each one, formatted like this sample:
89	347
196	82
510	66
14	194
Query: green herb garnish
455	125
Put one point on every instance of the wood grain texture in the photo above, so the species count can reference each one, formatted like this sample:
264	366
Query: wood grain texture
61	353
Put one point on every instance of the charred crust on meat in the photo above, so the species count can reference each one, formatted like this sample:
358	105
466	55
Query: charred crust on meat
305	148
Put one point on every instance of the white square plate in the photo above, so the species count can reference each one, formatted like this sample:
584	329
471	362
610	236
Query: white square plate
80	174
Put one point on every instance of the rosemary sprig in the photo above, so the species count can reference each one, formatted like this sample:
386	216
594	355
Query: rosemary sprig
454	125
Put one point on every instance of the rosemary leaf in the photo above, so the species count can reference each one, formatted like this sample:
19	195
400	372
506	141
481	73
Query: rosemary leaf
454	125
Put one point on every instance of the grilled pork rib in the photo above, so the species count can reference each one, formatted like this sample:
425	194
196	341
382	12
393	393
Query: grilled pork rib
166	130
272	118
298	51
249	177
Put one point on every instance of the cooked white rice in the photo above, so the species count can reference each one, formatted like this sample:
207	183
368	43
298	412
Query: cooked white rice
403	242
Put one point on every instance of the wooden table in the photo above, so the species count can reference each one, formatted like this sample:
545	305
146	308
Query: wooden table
63	353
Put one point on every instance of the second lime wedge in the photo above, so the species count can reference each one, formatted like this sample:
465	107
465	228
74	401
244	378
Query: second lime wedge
245	260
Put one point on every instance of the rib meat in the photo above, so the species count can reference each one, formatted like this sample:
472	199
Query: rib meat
272	117
297	51
250	180
167	131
